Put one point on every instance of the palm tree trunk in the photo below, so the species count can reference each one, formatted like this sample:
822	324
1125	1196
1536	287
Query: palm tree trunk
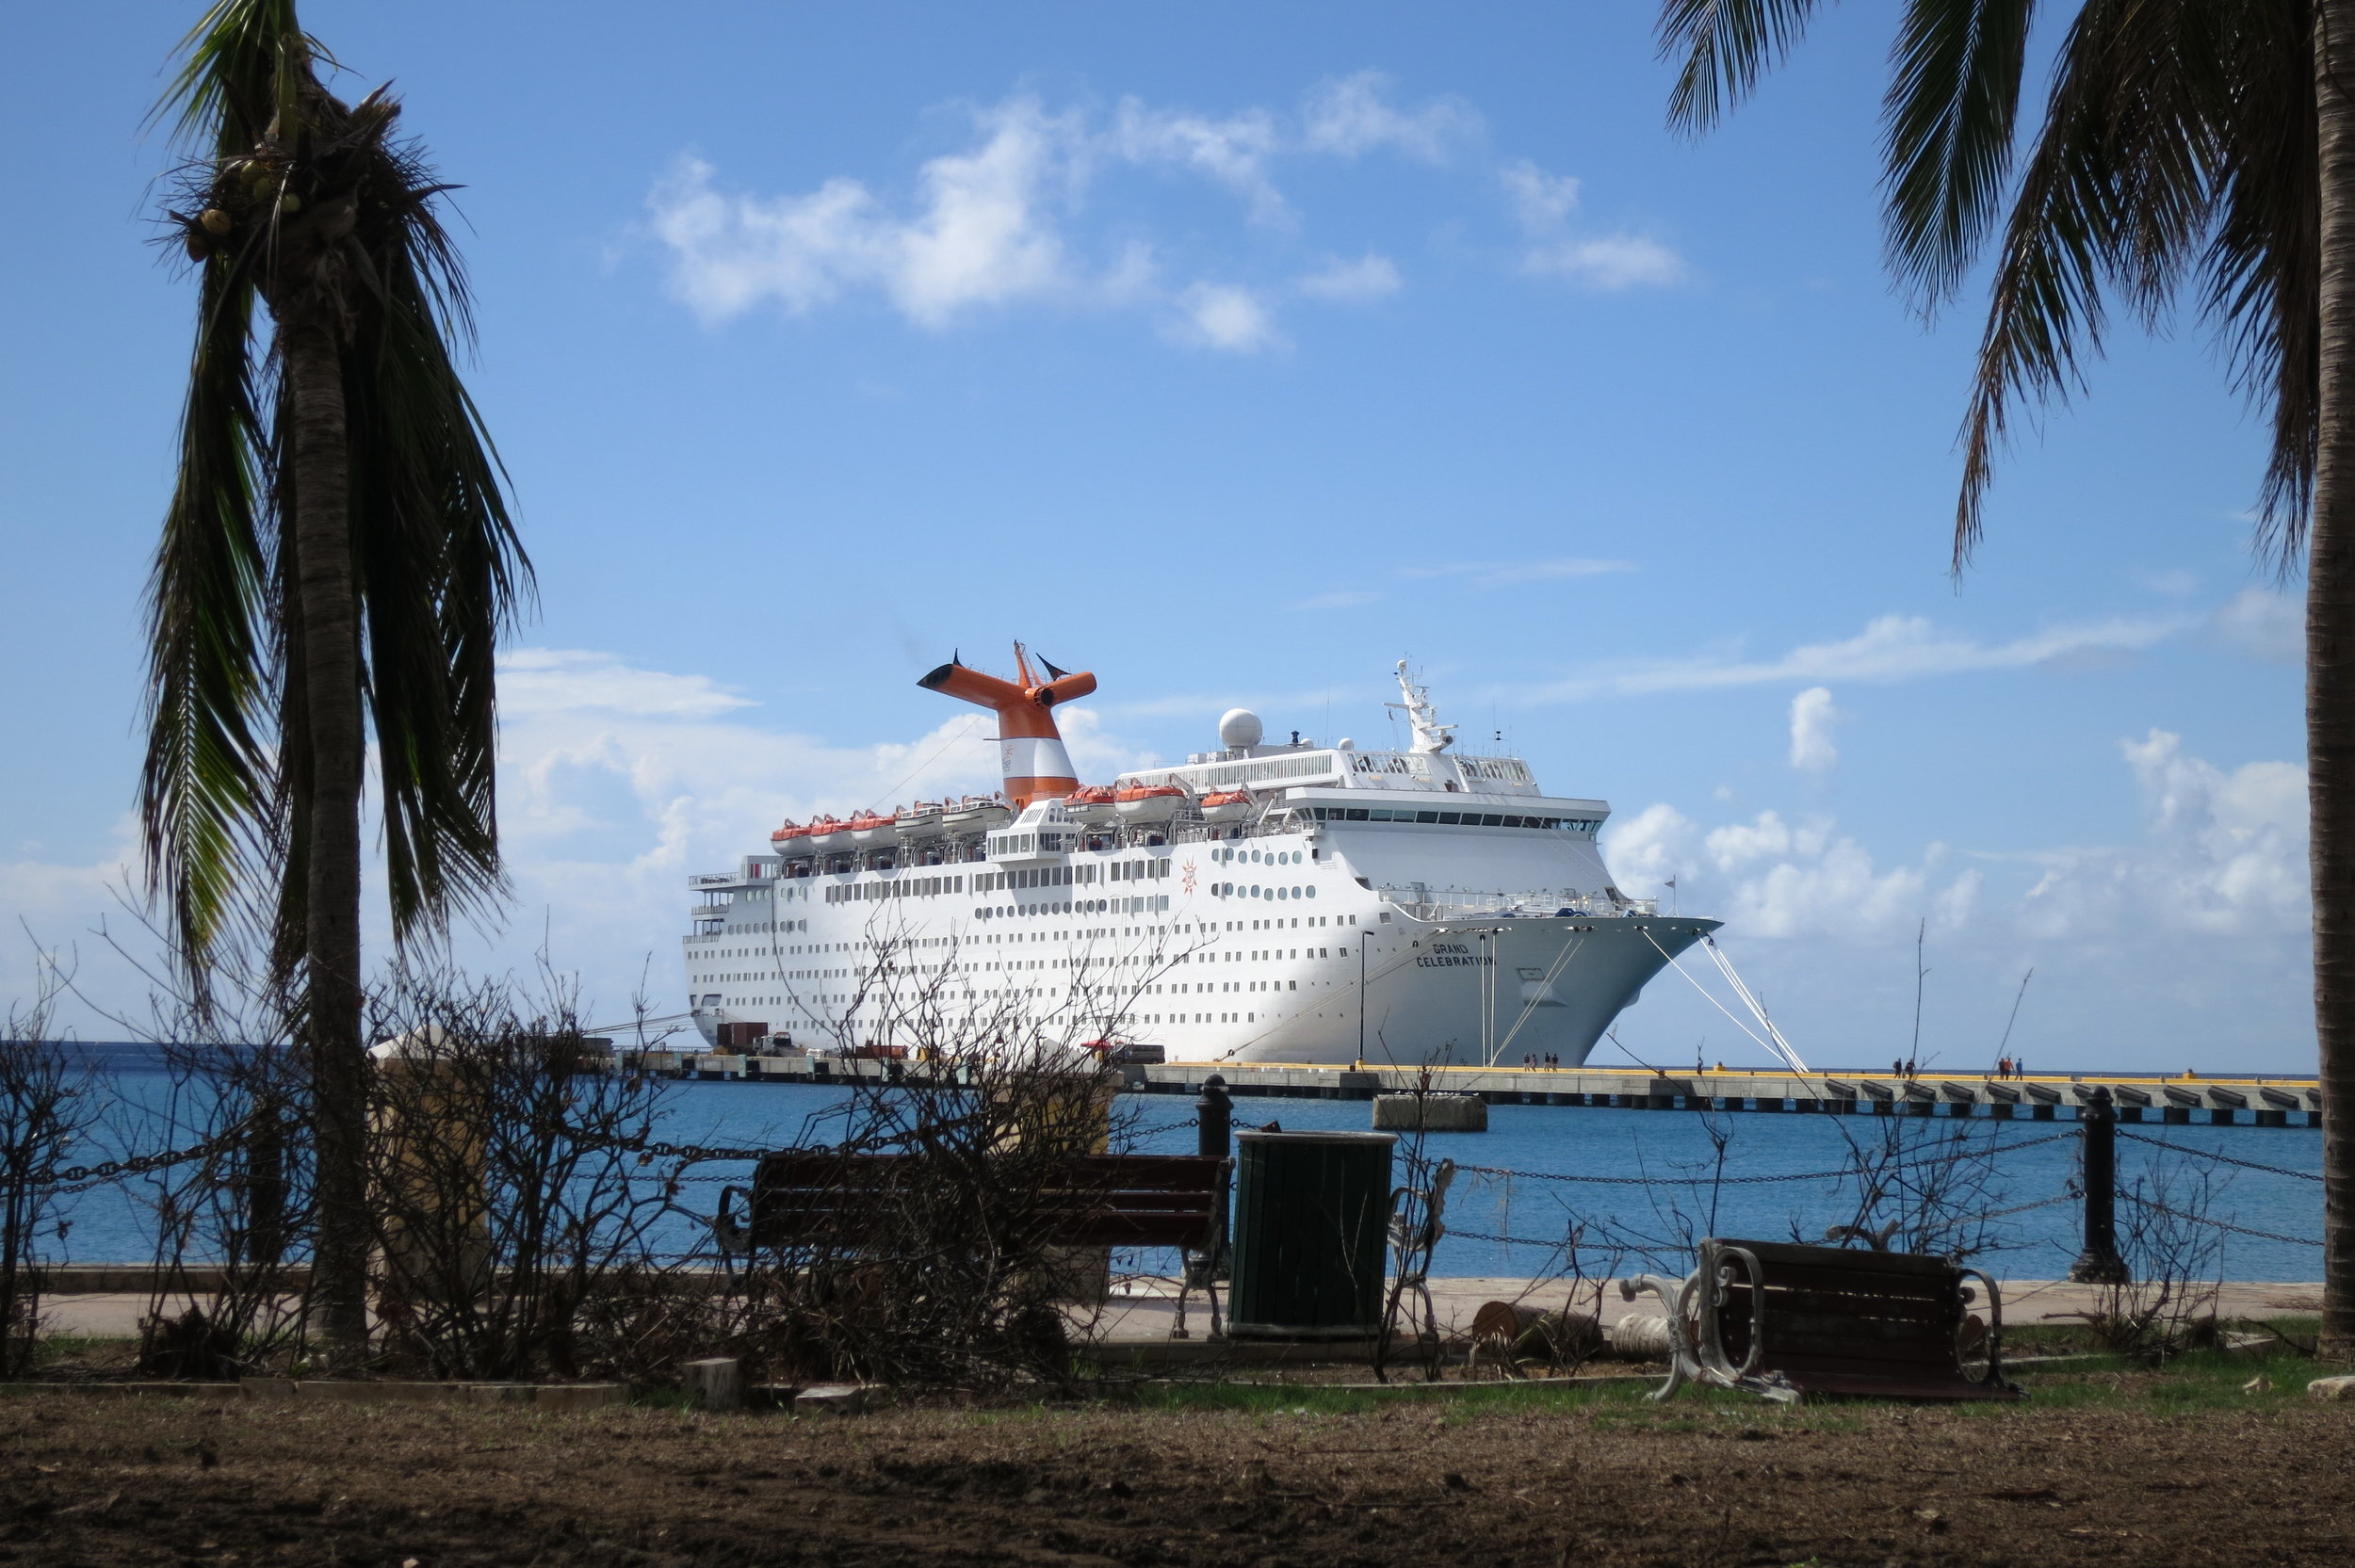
321	528
2330	674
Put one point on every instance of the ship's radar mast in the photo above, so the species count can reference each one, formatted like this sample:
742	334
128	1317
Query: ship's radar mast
1430	735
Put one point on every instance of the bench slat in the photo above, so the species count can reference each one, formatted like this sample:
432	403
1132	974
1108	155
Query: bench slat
1799	1254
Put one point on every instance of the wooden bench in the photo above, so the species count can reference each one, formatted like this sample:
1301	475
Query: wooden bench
804	1199
1786	1321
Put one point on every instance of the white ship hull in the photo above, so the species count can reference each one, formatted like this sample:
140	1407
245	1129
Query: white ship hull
1266	948
1289	904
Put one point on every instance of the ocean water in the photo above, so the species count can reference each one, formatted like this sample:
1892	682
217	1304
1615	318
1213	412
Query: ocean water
1504	1189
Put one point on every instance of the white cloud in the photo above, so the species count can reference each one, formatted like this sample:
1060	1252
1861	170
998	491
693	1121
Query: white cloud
1002	221
1813	720
2186	942
1221	315
1836	891
1892	648
1495	574
1544	204
1233	151
2259	621
2173	583
2223	854
1352	116
1351	282
557	680
982	231
1646	849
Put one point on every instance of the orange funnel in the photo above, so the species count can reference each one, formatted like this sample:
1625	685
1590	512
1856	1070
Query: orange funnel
1030	747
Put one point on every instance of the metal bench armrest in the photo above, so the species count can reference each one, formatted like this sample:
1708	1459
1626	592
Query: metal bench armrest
1995	1378
1676	1299
1715	1276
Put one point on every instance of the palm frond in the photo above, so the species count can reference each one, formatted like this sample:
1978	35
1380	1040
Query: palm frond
1950	121
207	778
2121	191
1726	46
442	571
2264	266
241	67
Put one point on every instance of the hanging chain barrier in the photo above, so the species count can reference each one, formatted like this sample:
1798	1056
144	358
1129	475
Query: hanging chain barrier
2225	1159
2219	1224
81	1178
1845	1172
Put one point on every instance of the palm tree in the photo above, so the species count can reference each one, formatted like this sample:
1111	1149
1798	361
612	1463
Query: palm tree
2200	146
336	556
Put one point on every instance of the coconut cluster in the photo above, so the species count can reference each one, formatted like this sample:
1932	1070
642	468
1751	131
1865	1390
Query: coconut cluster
244	192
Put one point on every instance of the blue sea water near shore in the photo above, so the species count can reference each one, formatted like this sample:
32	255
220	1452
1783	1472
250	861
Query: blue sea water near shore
2034	1162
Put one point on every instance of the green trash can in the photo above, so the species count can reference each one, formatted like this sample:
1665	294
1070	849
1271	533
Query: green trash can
1312	1214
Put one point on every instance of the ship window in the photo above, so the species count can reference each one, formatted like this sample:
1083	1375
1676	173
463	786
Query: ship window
1451	818
1426	817
1492	822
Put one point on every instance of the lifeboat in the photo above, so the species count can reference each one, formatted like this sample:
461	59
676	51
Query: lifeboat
1151	804
1225	806
1093	803
872	827
920	821
784	839
827	833
974	813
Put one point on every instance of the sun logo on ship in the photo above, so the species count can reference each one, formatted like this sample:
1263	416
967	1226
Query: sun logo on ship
1186	876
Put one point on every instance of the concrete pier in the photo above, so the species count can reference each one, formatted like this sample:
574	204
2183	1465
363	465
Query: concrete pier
2202	1099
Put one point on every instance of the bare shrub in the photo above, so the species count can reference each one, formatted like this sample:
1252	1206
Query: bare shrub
510	1186
1920	1184
1417	1223
231	1287
46	1110
923	1245
2174	1266
936	1261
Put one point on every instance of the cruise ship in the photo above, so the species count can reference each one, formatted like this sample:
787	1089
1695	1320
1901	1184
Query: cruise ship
1264	902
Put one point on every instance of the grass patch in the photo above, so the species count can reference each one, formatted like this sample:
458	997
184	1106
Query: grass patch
1452	1399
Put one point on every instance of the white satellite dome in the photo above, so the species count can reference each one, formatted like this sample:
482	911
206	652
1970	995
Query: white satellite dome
1238	728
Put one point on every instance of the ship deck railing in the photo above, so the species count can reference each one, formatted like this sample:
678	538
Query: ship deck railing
1430	904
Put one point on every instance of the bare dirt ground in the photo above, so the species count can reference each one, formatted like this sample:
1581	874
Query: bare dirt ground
2092	1469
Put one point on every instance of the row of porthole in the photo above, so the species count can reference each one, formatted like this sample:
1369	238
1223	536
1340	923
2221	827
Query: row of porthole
1236	890
1273	857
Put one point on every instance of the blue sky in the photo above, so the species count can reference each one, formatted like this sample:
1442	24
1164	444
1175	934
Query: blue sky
1234	352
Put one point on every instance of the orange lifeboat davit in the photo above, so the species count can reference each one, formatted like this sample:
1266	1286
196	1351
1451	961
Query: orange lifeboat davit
1090	803
1149	803
1225	806
975	813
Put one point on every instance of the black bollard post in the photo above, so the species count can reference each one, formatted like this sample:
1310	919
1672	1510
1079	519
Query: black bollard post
2100	1264
265	1185
1214	1122
1214	1119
